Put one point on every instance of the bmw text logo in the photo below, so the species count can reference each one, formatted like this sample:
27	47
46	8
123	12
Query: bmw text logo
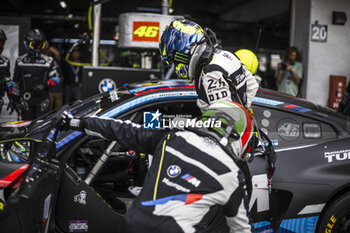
174	171
106	85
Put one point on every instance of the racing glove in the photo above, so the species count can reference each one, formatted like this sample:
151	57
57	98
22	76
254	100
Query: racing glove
39	90
53	81
69	122
14	105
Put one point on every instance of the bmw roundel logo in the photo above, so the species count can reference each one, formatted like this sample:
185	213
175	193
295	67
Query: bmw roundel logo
174	171
106	85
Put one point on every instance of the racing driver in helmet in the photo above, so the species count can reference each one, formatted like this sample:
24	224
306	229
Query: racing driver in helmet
218	74
195	184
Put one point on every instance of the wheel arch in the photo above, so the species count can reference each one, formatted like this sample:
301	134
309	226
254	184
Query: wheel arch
334	197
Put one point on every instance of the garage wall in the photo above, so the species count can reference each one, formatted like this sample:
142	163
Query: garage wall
332	57
301	36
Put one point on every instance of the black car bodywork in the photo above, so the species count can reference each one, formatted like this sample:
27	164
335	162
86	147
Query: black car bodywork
312	168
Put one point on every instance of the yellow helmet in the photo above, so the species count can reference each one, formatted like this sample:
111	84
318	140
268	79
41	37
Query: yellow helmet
249	59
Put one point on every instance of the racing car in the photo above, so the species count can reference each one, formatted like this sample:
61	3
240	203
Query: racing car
67	189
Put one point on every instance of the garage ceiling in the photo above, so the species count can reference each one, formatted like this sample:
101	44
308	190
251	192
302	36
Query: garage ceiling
220	15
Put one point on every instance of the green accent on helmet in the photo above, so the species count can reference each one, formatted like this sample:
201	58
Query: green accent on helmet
181	57
224	123
239	125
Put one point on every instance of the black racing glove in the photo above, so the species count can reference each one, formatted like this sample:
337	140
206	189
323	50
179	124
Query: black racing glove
14	105
69	122
40	90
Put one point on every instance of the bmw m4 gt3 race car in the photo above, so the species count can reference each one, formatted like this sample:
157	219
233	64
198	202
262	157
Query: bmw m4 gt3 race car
67	188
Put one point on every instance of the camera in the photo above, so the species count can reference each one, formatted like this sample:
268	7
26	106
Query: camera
283	66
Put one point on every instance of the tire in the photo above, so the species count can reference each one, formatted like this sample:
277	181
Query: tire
336	219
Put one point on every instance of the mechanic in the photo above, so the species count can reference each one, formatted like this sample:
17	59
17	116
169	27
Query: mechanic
34	74
194	180
5	75
218	74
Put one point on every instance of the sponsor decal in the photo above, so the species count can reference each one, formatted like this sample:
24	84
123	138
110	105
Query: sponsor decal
2	205
113	95
330	224
81	197
78	226
216	89
106	85
191	179
155	120
289	130
337	155
16	124
297	108
151	120
178	187
145	31
173	171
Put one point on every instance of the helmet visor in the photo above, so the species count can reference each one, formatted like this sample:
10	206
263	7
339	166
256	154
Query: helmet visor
166	61
36	45
2	44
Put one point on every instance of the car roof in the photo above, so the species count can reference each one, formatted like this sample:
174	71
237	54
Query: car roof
265	97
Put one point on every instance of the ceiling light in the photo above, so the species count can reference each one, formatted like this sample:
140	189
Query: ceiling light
63	4
76	25
70	16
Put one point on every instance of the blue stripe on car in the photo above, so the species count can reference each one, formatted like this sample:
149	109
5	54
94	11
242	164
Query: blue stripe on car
301	109
305	225
266	101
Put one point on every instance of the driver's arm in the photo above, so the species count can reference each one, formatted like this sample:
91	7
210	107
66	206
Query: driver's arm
128	134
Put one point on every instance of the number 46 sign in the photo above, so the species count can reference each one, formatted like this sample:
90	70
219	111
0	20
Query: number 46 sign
319	33
145	31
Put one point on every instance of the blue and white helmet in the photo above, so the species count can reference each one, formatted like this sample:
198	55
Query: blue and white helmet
177	44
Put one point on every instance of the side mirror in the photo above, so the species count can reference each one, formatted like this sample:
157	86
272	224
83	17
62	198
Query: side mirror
15	151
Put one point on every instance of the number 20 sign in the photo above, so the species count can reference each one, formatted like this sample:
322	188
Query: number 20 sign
319	33
145	31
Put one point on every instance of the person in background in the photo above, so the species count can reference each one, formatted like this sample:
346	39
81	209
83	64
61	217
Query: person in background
72	73
344	106
250	60
214	199
217	74
289	72
5	75
35	73
55	93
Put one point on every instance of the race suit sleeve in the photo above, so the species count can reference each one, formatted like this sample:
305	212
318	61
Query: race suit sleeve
16	87
54	77
7	79
126	133
236	211
252	87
